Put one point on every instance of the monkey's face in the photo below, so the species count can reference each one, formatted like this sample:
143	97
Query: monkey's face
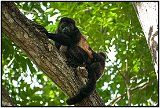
66	27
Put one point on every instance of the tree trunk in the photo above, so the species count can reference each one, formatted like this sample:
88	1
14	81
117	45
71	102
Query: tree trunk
37	47
6	99
147	13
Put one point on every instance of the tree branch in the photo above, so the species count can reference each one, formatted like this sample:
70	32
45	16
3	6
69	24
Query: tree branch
6	99
37	47
140	87
147	13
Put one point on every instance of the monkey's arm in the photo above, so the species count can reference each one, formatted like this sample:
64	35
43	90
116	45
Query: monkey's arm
60	38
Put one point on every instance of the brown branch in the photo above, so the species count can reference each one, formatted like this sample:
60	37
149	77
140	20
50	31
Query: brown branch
6	99
37	47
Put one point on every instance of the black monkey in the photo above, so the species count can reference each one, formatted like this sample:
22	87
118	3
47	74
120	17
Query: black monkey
78	53
68	34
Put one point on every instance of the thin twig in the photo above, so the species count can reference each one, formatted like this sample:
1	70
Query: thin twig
132	90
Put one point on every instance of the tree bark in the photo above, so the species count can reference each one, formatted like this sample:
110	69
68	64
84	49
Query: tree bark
37	47
147	13
6	99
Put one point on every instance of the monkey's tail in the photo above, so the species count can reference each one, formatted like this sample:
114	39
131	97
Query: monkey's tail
85	91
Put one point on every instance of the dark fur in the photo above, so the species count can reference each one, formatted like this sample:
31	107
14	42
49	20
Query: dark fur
78	54
95	70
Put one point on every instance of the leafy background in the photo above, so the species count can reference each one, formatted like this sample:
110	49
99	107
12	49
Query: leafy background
110	27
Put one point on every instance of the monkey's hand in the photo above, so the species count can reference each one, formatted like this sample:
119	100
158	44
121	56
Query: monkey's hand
71	63
40	28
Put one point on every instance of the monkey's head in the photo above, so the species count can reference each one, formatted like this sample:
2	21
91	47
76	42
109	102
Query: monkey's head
66	25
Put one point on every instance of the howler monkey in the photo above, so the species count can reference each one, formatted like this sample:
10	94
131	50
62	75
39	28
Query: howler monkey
78	53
